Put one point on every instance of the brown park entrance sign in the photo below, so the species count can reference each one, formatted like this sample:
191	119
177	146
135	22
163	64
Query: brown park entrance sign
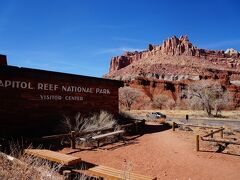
35	101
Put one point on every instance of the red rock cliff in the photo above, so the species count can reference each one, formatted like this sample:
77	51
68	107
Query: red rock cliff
171	47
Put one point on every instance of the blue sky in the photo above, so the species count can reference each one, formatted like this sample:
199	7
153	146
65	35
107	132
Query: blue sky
81	36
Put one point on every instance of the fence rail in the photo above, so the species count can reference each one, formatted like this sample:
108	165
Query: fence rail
218	140
214	132
74	134
174	125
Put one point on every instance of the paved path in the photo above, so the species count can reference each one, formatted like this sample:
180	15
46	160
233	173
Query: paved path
234	123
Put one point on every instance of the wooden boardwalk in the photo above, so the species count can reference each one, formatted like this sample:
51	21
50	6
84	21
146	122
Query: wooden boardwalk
53	156
115	174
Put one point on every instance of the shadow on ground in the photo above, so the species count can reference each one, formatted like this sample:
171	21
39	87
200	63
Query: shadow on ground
56	144
225	153
149	128
128	140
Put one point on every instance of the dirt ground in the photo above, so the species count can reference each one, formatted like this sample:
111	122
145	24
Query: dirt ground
166	154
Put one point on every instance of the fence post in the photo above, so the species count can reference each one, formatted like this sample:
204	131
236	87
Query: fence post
211	134
173	126
187	117
221	134
67	174
197	142
73	140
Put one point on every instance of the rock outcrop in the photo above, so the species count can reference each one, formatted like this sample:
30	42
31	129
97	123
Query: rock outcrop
232	53
171	47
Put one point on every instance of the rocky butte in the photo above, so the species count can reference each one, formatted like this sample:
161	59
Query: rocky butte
170	67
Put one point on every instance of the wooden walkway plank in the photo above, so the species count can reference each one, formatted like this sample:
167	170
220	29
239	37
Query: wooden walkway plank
115	174
53	156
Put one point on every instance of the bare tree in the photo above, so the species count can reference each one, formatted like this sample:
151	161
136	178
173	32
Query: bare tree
170	104
128	95
221	103
208	96
162	101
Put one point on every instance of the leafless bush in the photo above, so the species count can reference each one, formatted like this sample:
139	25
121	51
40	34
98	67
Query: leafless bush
195	104
170	104
127	96
97	121
162	101
94	124
221	103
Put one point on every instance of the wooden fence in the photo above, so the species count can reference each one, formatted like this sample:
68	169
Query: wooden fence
174	125
74	134
210	136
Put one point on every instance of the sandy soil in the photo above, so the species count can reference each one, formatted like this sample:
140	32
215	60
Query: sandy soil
167	155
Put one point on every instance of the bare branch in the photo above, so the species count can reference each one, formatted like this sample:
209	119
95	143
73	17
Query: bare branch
128	95
208	96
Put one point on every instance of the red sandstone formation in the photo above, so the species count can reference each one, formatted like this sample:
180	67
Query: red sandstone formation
176	63
172	47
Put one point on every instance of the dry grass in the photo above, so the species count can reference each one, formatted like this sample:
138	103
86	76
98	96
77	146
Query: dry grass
19	166
97	121
22	166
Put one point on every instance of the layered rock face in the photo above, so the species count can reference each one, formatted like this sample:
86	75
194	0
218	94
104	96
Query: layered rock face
176	63
171	47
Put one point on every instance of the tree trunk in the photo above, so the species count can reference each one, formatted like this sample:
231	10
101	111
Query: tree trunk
209	111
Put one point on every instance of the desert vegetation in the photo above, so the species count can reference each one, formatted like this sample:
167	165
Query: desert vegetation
92	124
97	121
128	96
23	166
161	101
18	165
208	96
